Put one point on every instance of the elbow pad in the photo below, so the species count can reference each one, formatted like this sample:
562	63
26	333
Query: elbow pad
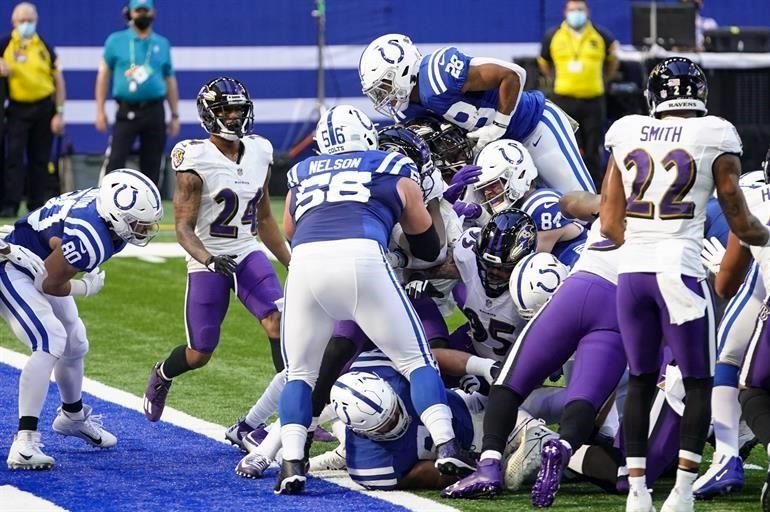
426	245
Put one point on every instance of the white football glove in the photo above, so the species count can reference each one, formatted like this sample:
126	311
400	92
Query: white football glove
491	132
712	254
397	258
90	284
24	258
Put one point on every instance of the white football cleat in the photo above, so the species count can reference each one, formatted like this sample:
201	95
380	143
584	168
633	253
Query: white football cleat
89	428
26	452
329	461
678	502
639	501
523	465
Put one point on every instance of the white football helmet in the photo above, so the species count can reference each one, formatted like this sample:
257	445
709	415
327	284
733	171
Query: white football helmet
367	405
388	72
131	204
507	173
344	128
533	280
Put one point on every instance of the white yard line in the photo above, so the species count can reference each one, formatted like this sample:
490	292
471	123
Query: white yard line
217	433
16	500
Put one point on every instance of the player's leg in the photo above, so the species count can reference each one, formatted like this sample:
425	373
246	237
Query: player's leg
735	331
693	347
29	314
206	300
386	316
755	396
312	294
541	348
73	418
554	150
258	288
639	321
599	362
254	423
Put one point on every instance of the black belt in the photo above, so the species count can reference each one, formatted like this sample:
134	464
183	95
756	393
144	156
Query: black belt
139	105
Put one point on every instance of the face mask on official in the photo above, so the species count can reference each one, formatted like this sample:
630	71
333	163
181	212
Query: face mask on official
143	21
27	29
577	18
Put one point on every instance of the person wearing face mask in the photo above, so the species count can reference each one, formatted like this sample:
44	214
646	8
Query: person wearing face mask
34	114
138	60
578	57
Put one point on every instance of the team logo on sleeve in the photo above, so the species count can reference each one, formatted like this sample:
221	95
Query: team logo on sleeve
177	157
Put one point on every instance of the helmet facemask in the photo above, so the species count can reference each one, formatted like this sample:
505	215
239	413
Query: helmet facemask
494	195
388	98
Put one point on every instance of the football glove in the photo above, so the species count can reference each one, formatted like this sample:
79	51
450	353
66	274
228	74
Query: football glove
28	260
223	264
712	254
470	383
468	175
491	132
90	284
420	288
397	258
467	210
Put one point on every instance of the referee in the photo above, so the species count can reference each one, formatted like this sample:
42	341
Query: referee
35	112
139	62
580	57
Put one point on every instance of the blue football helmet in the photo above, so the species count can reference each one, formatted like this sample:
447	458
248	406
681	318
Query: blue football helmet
677	84
404	141
509	236
225	109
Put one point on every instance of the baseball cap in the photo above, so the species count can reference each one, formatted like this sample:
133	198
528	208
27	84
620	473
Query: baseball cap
140	4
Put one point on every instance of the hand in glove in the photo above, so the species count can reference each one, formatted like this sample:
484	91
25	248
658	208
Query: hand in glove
420	288
467	210
470	383
468	175
90	284
26	259
712	254
491	132
224	264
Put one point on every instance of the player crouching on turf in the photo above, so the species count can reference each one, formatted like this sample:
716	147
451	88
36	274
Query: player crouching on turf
74	232
221	204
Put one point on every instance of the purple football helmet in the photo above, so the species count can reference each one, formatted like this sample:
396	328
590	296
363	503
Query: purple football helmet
224	108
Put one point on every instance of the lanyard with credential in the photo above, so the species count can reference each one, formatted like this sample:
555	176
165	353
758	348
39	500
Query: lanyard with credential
132	55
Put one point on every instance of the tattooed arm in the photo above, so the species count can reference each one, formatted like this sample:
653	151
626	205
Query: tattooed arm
447	270
727	169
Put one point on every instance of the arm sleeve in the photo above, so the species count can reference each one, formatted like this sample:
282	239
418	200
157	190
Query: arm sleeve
447	70
83	246
608	39
370	464
545	47
109	52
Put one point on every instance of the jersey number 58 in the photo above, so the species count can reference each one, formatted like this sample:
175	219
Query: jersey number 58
332	188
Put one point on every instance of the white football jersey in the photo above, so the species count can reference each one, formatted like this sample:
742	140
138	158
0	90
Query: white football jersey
599	256
227	219
666	165
494	323
758	201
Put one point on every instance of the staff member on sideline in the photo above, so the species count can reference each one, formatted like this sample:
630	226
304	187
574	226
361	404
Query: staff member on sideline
581	57
139	60
35	112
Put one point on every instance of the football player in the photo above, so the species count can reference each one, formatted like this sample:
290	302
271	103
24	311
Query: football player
481	95
754	379
508	179
221	204
340	211
73	233
661	174
551	338
386	445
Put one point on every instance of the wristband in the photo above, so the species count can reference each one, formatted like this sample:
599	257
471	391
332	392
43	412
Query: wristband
174	115
502	120
78	288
